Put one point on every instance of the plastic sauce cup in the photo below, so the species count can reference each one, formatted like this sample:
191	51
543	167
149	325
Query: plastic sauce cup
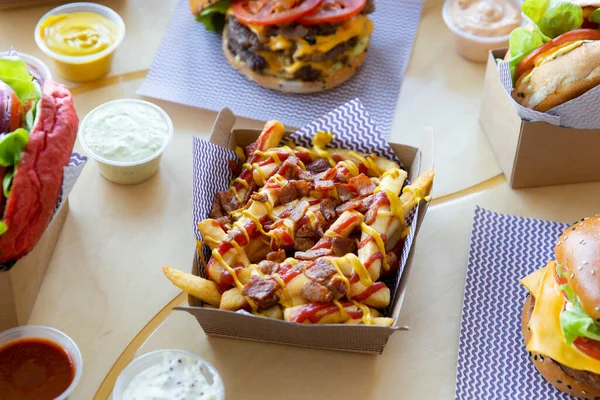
121	172
34	62
473	47
148	360
54	335
82	68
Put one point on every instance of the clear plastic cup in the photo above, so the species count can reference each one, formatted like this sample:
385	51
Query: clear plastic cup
472	47
34	62
146	361
127	173
54	335
82	68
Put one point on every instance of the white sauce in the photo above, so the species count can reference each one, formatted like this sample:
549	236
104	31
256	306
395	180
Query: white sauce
176	377
125	131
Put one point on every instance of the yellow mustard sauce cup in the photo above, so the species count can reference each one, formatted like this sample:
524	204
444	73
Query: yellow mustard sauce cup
87	67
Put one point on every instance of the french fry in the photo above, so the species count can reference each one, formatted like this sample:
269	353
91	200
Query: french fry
298	196
411	194
233	300
200	288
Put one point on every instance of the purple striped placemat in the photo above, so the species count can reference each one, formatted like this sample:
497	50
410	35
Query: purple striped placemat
492	360
190	68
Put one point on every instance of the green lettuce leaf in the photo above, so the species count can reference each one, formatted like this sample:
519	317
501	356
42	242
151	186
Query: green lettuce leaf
7	183
13	72
522	42
11	147
213	17
3	228
595	16
575	323
553	17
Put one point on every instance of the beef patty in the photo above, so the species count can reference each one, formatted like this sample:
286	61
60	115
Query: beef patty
246	44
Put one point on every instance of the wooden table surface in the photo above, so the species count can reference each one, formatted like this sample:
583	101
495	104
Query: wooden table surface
105	289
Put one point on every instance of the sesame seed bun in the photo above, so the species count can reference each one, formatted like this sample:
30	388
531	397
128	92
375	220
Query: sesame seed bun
579	246
556	374
562	79
294	86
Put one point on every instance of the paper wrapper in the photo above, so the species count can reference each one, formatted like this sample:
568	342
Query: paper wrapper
492	360
190	68
353	129
579	113
71	174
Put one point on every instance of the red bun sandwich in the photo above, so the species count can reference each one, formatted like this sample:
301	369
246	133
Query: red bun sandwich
561	317
38	127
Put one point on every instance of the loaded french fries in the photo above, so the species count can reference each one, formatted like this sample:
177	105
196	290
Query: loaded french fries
306	234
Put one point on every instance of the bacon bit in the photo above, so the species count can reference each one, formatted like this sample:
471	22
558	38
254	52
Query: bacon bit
299	211
324	186
345	193
362	184
312	254
318	166
261	197
234	167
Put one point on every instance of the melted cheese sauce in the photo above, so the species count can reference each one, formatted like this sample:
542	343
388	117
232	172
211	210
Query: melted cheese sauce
546	335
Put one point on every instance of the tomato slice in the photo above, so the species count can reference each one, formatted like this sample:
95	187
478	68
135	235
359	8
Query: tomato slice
588	346
578	34
561	281
272	12
334	11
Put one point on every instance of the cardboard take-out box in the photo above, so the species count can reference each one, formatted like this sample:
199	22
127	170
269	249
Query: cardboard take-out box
20	285
534	153
356	338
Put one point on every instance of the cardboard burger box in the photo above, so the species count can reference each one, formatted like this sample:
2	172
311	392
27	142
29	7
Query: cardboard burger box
19	286
355	338
534	153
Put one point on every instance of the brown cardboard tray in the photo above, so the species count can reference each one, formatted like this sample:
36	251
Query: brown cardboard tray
355	338
534	153
20	285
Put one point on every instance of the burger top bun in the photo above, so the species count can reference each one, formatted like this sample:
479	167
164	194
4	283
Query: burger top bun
578	249
196	6
562	79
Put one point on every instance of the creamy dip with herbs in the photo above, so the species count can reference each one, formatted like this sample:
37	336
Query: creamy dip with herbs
176	377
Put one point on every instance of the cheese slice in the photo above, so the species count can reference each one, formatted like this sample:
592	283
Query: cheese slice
546	335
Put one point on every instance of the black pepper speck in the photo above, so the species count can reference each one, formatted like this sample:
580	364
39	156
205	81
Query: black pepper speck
559	381
569	387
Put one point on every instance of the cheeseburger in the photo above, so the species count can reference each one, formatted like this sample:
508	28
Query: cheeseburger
38	126
295	46
561	317
556	58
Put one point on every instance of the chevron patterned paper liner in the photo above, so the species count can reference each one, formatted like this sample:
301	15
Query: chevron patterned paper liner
579	113
353	129
492	360
190	68
71	174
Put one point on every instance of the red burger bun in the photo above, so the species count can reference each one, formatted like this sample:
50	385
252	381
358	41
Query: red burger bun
39	174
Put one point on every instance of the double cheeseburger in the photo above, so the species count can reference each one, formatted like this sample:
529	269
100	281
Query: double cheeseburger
561	317
38	126
295	46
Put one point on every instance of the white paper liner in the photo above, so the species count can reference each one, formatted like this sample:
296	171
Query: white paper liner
579	113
